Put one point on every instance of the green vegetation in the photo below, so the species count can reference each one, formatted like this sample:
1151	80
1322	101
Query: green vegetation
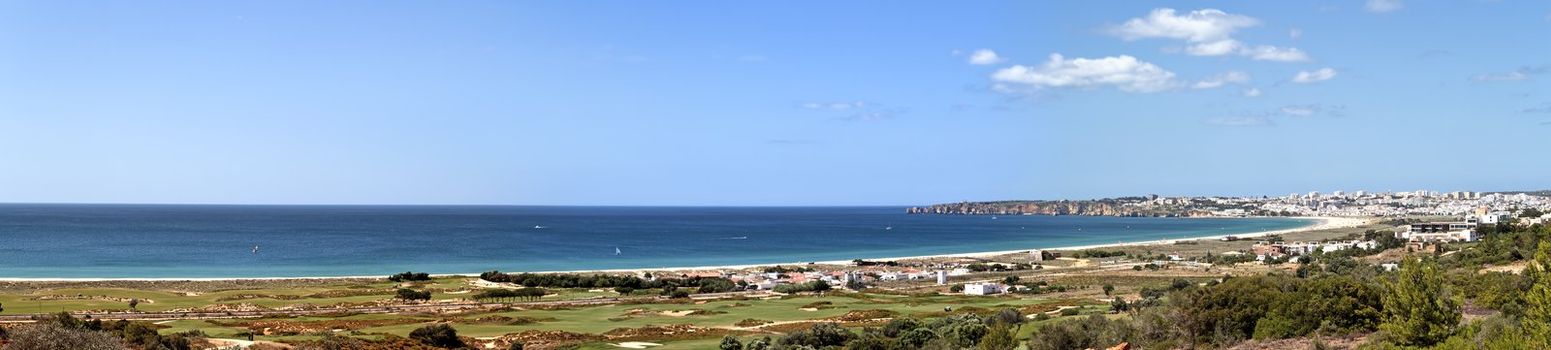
812	286
439	335
407	276
62	331
565	280
1096	253
407	294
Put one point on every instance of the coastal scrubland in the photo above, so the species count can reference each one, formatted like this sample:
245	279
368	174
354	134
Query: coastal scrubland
1487	294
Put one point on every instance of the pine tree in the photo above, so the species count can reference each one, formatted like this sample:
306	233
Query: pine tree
731	343
1419	310
1537	309
1001	337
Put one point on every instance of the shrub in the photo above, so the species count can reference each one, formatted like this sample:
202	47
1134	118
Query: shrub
439	335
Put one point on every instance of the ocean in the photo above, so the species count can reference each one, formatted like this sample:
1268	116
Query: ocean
232	241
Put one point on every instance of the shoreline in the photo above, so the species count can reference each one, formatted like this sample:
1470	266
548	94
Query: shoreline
1320	223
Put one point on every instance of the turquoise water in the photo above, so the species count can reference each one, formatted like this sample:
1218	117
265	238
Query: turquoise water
209	241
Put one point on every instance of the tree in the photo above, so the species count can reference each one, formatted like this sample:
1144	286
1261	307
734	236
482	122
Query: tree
967	334
514	346
731	343
1000	337
2	307
915	338
1008	317
1419	311
898	326
412	295
1537	301
412	276
133	302
1119	305
759	344
439	335
1108	288
51	336
872	341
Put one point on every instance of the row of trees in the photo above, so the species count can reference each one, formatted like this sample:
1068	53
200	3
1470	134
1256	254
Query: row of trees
408	276
506	295
412	295
810	286
561	280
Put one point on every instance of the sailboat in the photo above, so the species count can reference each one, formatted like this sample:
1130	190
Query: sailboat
617	252
255	249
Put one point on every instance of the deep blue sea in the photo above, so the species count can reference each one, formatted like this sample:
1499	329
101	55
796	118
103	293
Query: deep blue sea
206	241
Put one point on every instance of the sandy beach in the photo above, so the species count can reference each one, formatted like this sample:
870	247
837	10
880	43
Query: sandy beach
1320	223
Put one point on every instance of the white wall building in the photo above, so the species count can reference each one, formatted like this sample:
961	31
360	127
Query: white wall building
984	289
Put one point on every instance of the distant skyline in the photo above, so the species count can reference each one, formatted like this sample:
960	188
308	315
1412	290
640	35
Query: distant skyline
810	103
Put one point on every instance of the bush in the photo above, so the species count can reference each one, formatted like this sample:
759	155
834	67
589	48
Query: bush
810	286
411	294
46	336
409	276
439	335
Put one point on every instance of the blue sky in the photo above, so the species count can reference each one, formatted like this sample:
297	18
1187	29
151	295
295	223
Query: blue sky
807	103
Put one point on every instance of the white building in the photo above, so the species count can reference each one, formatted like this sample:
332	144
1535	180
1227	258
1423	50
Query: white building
984	289
1438	231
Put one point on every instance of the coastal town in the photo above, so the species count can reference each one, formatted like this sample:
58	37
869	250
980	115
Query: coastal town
1334	204
1418	221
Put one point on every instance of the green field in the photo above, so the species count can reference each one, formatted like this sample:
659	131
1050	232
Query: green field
722	315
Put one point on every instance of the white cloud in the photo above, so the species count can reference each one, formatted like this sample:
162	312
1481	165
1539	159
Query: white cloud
1216	81
1278	54
834	106
1217	48
1122	72
1523	73
1295	33
1208	25
1298	111
1509	76
1207	32
1307	77
1252	92
1240	121
1309	110
984	57
1210	31
1382	6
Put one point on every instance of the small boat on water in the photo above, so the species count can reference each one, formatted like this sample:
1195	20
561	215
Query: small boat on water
617	252
537	227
